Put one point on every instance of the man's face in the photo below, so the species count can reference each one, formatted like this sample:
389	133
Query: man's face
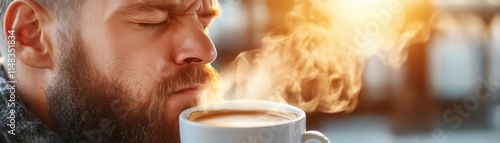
130	68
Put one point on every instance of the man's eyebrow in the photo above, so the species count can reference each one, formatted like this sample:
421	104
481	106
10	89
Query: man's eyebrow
144	7
135	8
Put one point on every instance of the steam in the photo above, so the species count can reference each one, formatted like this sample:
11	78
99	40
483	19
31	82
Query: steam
317	64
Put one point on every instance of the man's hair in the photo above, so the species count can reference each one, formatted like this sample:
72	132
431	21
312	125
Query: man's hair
63	10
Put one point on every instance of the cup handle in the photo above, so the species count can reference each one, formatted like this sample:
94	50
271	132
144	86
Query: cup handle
314	135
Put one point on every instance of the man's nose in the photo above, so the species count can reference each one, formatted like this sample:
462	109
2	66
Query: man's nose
195	48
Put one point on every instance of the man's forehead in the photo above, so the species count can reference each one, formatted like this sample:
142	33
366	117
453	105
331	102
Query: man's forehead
175	3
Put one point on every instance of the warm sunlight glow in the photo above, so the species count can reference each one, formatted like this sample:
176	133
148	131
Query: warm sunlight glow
317	64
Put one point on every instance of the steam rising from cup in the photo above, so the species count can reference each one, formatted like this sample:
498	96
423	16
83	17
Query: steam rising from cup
318	62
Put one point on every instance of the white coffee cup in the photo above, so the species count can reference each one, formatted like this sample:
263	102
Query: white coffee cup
292	131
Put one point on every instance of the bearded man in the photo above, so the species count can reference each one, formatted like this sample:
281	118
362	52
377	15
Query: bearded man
102	70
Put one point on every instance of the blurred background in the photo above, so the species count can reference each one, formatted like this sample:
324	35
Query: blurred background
448	90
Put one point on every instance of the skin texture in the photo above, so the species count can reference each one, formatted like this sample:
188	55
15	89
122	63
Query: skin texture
122	71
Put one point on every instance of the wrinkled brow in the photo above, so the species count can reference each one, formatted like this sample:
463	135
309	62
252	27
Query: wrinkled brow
145	7
132	8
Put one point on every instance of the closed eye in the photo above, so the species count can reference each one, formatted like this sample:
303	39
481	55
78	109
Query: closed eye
152	25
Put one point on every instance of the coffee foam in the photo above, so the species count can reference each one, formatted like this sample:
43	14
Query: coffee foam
240	118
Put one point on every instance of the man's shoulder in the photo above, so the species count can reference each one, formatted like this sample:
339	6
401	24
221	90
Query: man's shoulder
17	124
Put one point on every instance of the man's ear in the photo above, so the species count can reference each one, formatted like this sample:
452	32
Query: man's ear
27	21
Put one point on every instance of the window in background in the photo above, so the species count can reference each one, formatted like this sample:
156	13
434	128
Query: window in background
495	56
495	69
455	55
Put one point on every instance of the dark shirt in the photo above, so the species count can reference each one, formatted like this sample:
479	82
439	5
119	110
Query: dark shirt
17	124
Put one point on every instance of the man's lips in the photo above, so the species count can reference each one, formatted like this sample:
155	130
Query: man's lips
192	89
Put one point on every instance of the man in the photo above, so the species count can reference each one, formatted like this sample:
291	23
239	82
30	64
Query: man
102	70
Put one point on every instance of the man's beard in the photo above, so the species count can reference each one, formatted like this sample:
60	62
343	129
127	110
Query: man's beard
89	107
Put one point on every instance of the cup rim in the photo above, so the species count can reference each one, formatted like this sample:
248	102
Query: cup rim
185	114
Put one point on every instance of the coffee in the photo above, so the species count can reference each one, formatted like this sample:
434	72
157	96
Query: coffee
240	118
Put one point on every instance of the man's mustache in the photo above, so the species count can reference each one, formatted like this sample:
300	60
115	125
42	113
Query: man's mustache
186	77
